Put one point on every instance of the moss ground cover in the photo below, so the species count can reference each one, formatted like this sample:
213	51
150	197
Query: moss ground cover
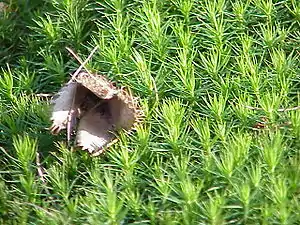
219	82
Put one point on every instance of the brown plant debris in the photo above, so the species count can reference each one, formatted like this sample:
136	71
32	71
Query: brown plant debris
94	109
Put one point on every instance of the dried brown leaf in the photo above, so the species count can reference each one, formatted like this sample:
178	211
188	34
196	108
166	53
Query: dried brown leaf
95	129
101	108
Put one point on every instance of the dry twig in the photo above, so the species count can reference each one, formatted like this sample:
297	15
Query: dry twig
278	110
82	64
40	171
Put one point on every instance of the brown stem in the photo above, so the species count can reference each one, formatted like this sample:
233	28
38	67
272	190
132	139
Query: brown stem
82	64
278	110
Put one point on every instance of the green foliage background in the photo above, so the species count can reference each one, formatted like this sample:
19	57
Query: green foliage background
218	81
